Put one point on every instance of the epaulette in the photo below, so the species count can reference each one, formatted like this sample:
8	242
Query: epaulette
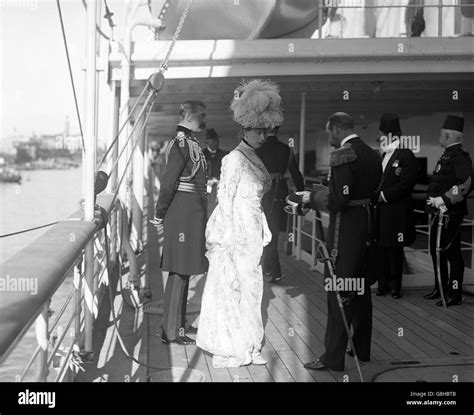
342	155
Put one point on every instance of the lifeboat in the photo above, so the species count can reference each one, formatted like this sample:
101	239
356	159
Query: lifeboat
240	19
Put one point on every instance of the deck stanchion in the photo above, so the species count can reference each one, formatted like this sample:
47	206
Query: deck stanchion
112	166
137	188
301	167
42	337
89	296
78	305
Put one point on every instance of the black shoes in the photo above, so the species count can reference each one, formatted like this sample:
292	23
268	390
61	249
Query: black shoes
449	302
380	292
316	365
181	340
396	295
272	279
192	330
351	353
433	295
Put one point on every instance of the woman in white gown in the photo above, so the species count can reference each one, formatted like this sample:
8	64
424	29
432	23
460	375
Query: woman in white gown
230	323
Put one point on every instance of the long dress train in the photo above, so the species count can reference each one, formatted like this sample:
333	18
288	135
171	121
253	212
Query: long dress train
230	323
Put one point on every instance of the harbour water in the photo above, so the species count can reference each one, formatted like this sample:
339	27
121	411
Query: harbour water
44	196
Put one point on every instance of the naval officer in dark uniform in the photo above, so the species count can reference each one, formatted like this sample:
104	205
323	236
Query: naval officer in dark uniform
278	158
182	211
354	177
395	217
450	185
214	156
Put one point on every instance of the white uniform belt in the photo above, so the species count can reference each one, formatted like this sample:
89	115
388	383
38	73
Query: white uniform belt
191	187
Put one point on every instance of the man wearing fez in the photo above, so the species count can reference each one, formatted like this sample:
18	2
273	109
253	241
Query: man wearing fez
449	186
353	179
395	217
214	156
278	159
182	211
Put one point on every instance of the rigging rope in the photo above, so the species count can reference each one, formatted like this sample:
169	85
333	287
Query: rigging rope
70	72
28	230
164	64
121	128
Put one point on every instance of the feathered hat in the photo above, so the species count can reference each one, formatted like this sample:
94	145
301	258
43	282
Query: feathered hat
257	104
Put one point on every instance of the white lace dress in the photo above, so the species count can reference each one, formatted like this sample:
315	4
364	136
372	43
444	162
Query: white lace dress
230	323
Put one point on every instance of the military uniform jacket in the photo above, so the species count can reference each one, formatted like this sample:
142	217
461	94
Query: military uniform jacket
278	158
452	180
395	218
355	174
184	212
214	162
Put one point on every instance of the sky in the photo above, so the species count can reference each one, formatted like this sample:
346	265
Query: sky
36	93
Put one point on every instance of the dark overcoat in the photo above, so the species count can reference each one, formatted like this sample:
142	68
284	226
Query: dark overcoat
396	219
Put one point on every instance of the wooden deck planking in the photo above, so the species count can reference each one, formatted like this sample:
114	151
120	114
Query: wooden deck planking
404	335
444	326
430	339
301	352
197	360
275	366
217	375
464	322
240	374
317	323
260	373
318	297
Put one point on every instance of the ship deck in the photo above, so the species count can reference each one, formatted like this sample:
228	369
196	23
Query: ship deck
413	340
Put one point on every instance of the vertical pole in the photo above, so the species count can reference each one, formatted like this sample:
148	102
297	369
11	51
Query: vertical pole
313	241
138	185
90	140
113	131
301	166
78	304
124	112
320	20
42	337
440	18
90	164
112	185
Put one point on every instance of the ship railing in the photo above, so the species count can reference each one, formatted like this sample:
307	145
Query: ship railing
64	339
316	223
463	11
